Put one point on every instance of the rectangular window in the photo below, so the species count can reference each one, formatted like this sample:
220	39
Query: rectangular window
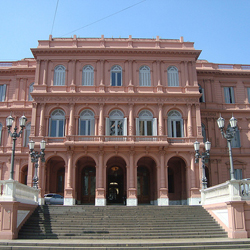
60	134
116	79
229	94
248	94
2	92
53	128
238	174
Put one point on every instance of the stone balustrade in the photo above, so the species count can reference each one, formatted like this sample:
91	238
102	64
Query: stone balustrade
14	191
233	190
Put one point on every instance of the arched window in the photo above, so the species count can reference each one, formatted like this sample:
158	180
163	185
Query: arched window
146	124
203	128
173	77
59	76
26	135
145	76
88	75
236	139
87	123
116	124
57	121
116	76
1	131
175	124
201	90
31	87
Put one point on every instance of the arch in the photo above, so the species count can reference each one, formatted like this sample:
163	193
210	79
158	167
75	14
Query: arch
116	124
31	88
88	75
57	123
24	175
116	185
146	124
146	181
85	180
144	76
87	122
55	175
173	76
175	124
59	75
116	76
177	187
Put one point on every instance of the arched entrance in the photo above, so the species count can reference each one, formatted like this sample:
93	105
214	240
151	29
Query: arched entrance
55	175
177	190
86	180
146	181
24	175
116	181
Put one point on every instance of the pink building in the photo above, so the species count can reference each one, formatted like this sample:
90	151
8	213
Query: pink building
120	117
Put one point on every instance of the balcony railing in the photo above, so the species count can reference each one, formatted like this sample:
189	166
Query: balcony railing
233	190
11	190
104	138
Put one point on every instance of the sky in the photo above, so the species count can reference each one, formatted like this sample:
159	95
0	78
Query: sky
220	28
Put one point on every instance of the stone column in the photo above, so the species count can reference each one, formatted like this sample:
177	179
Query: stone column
71	119
132	194
41	126
100	197
163	199
68	192
131	119
160	125
189	121
198	120
45	70
101	117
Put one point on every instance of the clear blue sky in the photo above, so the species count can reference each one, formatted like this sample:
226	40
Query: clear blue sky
220	28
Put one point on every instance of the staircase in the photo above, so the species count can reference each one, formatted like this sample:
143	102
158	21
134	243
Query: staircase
120	222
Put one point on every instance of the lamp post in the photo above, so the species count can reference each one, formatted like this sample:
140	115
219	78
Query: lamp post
228	135
204	156
34	158
14	136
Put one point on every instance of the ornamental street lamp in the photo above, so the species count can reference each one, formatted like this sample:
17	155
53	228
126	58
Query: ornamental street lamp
229	135
14	135
204	156
34	158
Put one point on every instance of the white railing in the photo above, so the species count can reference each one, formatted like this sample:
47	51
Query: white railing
233	190
15	191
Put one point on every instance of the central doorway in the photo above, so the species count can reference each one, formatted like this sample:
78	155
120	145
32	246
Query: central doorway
116	188
88	187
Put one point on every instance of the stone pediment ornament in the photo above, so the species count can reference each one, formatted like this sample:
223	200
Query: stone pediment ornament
237	162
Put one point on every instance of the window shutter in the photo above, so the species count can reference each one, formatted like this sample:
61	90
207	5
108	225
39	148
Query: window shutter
50	127
137	126
154	126
3	93
125	125
232	94
92	127
203	95
226	94
107	126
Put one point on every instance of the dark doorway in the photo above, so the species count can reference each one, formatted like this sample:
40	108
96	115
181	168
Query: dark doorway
88	185
143	182
115	191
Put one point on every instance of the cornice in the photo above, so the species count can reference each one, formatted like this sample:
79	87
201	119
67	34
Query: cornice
222	73
114	51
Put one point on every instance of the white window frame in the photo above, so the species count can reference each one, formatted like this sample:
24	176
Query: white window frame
2	92
59	75
145	76
174	116
89	118
57	115
31	88
173	76
229	95
88	75
116	70
116	116
144	117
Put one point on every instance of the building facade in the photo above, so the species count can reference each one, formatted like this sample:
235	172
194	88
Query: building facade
120	116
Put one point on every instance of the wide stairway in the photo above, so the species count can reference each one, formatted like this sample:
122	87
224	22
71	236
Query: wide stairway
112	222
